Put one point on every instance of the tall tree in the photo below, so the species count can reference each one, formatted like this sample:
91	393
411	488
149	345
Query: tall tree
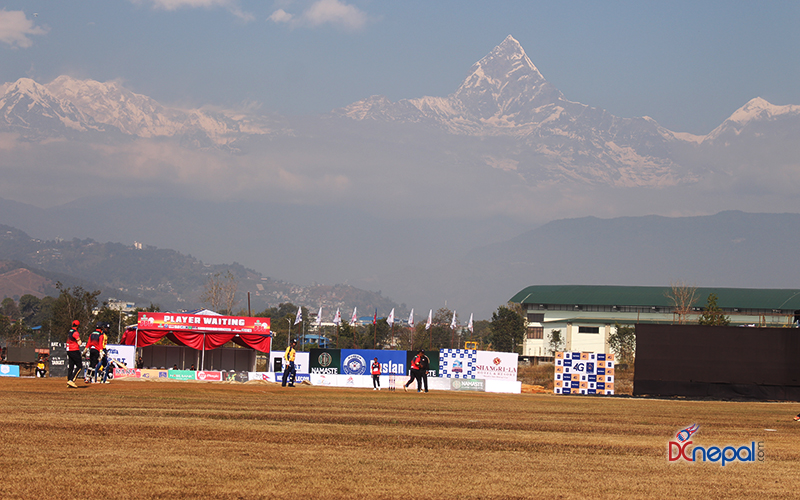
9	309
71	304
508	330
556	342
683	298
712	314
219	292
623	343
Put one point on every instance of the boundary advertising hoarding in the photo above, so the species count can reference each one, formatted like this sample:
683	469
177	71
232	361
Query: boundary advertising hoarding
325	361
9	371
583	373
125	354
433	356
301	360
358	362
472	364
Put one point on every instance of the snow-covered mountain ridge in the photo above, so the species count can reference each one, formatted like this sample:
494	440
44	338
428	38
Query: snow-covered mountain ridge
527	127
83	105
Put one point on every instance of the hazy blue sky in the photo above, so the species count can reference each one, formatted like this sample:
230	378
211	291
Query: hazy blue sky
688	64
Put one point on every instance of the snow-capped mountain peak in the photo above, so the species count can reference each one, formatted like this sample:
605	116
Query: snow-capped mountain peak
757	112
760	108
506	62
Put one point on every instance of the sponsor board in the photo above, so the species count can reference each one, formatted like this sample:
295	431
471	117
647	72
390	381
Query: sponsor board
496	365
235	376
182	374
433	367
152	374
209	376
126	373
9	371
125	354
473	384
325	361
583	373
458	363
301	360
264	376
359	361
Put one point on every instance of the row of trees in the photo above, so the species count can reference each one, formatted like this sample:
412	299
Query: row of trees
684	297
37	322
504	333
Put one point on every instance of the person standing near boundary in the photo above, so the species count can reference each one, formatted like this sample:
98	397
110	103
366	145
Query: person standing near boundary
73	354
93	346
414	374
424	366
100	347
375	368
289	372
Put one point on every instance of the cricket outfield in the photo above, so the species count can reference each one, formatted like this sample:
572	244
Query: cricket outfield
144	439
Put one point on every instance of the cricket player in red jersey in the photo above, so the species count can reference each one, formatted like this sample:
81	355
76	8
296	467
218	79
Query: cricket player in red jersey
375	368
74	353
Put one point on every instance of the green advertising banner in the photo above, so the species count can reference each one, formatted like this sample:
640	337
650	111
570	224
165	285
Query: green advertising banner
324	361
182	374
433	356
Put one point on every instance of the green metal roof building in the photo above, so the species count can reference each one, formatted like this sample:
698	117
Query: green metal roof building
585	315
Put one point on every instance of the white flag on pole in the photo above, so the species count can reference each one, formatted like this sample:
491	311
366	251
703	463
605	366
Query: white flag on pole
411	319
337	320
354	318
430	320
453	323
319	317
299	317
390	319
469	325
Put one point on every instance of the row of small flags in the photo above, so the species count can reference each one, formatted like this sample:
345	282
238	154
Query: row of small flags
337	319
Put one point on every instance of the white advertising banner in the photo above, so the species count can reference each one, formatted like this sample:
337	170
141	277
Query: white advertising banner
463	363
301	360
125	354
496	365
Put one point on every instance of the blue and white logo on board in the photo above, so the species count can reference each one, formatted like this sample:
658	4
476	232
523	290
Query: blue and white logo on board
354	364
9	371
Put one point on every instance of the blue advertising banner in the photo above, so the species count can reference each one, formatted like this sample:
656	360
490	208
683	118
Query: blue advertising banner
357	361
9	371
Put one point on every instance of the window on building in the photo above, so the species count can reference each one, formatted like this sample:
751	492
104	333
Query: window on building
535	317
588	329
535	332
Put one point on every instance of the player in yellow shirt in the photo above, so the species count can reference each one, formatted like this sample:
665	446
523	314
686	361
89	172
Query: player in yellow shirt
289	371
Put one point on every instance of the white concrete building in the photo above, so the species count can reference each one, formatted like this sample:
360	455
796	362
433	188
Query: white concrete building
585	316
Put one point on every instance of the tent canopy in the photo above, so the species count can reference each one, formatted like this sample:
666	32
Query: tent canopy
204	331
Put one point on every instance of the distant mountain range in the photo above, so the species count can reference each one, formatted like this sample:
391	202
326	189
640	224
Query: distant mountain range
393	196
148	275
554	140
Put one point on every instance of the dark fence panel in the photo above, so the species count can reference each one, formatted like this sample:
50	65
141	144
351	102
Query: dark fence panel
719	362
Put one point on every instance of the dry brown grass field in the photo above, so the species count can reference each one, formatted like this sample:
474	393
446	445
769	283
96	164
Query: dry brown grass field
138	439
